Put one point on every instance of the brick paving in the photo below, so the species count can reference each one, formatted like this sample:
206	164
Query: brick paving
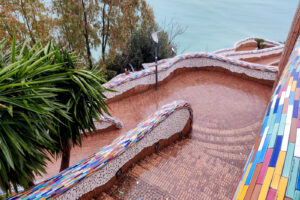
227	115
207	165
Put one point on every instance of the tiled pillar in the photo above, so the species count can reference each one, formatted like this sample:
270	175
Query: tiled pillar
289	44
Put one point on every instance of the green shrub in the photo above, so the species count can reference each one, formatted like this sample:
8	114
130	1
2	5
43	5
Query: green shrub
140	49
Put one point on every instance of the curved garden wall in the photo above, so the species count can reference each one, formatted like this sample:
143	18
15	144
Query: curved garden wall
273	49
107	122
252	39
124	83
99	170
255	53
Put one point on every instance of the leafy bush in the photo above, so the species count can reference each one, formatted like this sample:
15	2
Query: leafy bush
140	49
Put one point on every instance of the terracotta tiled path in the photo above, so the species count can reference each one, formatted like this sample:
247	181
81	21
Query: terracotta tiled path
227	115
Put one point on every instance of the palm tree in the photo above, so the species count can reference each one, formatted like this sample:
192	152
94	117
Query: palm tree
85	100
27	101
45	103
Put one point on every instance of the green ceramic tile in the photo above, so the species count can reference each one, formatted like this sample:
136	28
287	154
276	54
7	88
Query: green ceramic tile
271	122
273	136
297	195
291	187
282	124
288	160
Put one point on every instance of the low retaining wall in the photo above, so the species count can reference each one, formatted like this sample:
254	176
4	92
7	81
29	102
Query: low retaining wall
107	123
252	39
223	51
159	62
276	47
257	53
245	41
99	170
126	83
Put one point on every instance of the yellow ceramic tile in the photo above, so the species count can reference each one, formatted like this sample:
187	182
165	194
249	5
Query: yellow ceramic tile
265	186
291	81
243	192
278	170
243	182
294	85
282	187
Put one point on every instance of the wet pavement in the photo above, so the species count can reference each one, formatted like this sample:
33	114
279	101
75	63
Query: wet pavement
227	115
268	61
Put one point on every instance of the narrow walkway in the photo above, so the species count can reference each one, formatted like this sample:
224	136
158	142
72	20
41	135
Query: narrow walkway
227	115
266	61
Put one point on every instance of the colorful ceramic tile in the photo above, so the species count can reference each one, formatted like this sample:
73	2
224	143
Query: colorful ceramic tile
62	182
280	153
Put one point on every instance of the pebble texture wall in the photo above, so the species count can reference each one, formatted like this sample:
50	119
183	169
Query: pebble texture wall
108	121
114	152
123	83
122	79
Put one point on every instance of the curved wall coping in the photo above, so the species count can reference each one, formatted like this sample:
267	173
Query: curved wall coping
252	39
273	166
220	61
256	54
141	79
221	51
75	175
232	52
107	121
159	62
251	53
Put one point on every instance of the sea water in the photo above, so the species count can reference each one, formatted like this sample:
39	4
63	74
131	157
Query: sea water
217	24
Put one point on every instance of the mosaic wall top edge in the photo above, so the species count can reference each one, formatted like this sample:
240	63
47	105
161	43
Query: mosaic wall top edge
63	181
110	119
121	79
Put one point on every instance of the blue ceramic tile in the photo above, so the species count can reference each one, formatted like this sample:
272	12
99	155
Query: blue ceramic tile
251	171
276	106
295	109
264	149
276	151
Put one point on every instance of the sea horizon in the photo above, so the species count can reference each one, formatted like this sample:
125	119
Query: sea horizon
218	24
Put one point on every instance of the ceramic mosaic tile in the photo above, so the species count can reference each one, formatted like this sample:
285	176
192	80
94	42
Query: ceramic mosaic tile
62	182
110	119
121	79
279	149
